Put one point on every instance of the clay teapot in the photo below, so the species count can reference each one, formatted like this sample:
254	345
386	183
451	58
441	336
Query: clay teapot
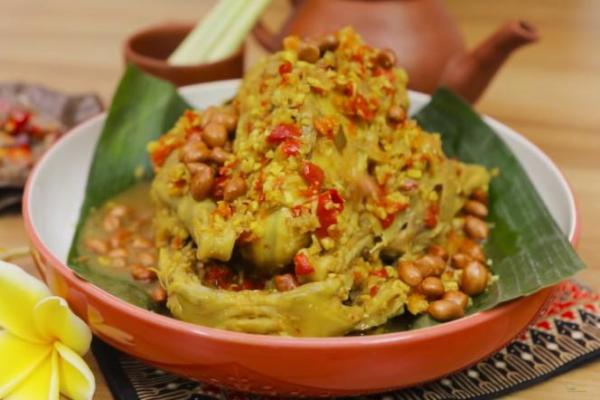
427	41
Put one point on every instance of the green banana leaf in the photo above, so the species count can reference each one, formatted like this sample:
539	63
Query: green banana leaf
142	109
528	250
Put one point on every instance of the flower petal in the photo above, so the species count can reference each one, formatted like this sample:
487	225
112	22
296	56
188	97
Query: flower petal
41	384
76	379
19	360
20	293
54	320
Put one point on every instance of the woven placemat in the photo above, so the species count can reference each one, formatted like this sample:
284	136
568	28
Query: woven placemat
567	335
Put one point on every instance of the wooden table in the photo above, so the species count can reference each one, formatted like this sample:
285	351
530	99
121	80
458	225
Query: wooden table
549	92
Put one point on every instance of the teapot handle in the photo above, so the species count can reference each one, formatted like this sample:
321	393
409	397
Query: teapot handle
270	40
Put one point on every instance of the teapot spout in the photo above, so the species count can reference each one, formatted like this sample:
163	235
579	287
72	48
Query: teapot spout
470	73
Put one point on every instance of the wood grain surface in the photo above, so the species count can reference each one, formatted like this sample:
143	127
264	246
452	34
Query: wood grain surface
550	92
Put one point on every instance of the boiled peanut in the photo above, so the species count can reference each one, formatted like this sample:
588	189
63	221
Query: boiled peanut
194	151
474	278
437	250
328	43
118	253
227	118
140	273
476	208
396	114
460	260
119	237
202	181
476	228
207	116
480	195
445	310
96	245
309	52
118	211
409	273
195	167
234	188
147	259
386	58
159	294
457	297
141	243
472	249
110	223
432	287
214	134
219	155
430	265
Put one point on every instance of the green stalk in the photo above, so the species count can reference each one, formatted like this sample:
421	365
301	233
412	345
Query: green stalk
195	39
234	12
195	46
237	31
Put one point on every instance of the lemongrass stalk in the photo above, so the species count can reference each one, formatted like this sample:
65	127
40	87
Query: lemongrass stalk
228	22
195	39
194	47
237	32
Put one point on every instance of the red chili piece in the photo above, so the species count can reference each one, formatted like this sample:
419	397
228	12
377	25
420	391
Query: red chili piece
302	265
326	126
360	107
290	147
314	176
258	186
380	272
285	282
218	276
20	153
190	116
431	216
219	186
159	156
18	119
252	284
373	291
283	132
285	68
297	210
391	217
388	221
358	57
409	185
193	133
329	205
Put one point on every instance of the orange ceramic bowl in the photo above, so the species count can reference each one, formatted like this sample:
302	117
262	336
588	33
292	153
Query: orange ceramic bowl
272	365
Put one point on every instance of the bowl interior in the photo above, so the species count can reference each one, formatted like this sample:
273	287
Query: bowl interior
58	184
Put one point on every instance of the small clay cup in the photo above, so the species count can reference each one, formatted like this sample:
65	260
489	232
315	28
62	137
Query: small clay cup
150	47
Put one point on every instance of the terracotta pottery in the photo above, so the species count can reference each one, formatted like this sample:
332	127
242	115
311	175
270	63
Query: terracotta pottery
425	38
149	49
